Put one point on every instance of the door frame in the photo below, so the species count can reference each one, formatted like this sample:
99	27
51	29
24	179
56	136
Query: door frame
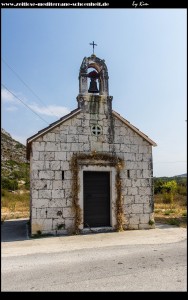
112	172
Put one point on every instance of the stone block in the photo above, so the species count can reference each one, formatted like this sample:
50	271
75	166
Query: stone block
41	203
49	137
144	226
67	184
52	146
68	212
147	173
143	149
35	155
142	199
42	213
34	174
144	182
69	223
72	138
38	146
147	208
73	130
46	224
133	174
38	165
47	155
138	157
65	147
65	165
128	199
83	139
136	183
58	224
55	212
34	213
76	147
86	147
60	156
133	226
144	218
57	194
134	149
125	148
139	173
137	208
57	185
61	137
76	122
145	191
68	175
38	184
127	209
45	194
58	175
34	194
64	129
126	182
46	174
134	219
55	165
132	191
60	202
129	156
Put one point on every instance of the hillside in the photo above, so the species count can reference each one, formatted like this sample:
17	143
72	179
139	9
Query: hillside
14	166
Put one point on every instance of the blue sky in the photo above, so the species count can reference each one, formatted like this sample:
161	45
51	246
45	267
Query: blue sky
145	52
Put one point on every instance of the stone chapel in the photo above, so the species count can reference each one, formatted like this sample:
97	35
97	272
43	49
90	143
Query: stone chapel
92	169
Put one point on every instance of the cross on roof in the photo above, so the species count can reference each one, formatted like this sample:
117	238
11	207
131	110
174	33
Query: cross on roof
93	44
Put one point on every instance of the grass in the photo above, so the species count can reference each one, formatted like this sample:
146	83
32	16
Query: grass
14	206
173	213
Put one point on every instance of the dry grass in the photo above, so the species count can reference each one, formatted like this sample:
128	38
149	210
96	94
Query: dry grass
14	206
172	213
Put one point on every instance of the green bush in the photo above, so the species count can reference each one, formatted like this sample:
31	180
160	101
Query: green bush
168	198
9	184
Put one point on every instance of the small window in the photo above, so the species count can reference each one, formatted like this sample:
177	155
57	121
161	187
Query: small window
62	175
96	130
128	173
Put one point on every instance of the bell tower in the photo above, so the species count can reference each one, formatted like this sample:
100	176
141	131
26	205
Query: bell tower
93	97
93	84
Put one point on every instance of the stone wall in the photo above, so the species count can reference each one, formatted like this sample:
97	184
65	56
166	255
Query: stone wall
51	177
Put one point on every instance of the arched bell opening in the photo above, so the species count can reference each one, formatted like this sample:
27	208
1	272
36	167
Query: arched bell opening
94	80
93	76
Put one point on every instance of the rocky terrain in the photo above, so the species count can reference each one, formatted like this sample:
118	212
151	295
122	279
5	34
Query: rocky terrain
14	166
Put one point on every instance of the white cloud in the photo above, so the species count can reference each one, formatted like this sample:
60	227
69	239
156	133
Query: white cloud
6	96
50	110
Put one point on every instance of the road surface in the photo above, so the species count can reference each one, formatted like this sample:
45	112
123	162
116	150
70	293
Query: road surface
139	260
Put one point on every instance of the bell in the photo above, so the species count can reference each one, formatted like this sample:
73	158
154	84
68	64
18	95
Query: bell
93	86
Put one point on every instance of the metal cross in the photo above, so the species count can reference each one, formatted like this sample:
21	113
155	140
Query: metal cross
93	44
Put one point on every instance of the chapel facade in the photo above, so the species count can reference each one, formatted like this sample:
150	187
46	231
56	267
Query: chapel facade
91	170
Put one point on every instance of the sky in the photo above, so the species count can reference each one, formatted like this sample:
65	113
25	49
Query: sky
144	50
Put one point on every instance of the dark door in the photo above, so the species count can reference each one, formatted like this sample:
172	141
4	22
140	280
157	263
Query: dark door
96	199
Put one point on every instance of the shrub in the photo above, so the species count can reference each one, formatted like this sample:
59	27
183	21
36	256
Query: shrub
168	198
9	184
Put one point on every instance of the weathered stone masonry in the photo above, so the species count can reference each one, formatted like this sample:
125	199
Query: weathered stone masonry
51	152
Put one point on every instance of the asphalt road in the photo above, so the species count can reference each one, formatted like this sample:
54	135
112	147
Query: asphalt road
139	260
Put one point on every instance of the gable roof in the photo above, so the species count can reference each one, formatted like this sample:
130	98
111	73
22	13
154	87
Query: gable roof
74	113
